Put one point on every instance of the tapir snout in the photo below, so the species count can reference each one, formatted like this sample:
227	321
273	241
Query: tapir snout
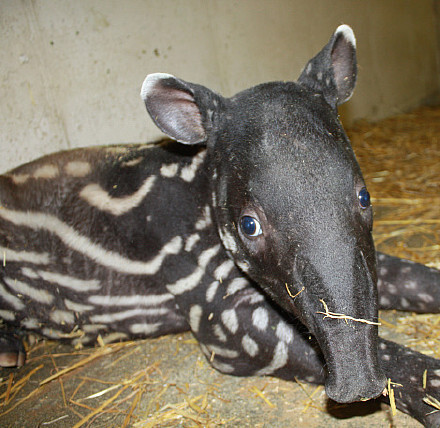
339	305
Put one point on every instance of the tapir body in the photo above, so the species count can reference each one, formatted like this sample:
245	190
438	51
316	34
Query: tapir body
250	229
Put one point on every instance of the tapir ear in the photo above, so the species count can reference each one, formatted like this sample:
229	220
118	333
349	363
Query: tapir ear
180	109
333	71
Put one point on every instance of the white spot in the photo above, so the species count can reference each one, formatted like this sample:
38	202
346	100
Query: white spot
348	34
309	68
191	241
391	288
133	162
80	285
411	285
319	75
41	296
7	315
78	168
386	357
219	333
169	171
211	291
284	332
134	300
230	320
413	379
435	383
46	171
223	270
426	298
381	257
382	346
437	372
383	271
24	256
84	245
279	360
99	198
195	315
249	345
77	307
404	302
189	172
62	317
191	281
384	301
260	318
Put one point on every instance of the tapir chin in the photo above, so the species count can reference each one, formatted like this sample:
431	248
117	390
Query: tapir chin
252	228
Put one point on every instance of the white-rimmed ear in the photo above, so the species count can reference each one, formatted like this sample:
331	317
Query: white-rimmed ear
333	71
177	107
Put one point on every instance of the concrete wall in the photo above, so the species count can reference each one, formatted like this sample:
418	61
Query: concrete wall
71	70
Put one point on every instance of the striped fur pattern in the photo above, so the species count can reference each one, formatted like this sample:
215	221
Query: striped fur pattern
137	241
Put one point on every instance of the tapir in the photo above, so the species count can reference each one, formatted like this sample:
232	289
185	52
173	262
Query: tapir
252	228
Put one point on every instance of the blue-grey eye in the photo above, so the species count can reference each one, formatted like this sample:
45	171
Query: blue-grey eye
364	198
250	226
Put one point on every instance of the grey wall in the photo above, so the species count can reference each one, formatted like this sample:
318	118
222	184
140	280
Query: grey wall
71	70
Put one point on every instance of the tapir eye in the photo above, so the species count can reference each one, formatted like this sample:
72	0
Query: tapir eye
250	226
364	198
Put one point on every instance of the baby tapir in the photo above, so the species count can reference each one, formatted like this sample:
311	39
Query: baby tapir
252	229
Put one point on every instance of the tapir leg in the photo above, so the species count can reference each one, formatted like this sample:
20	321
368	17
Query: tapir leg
407	286
242	334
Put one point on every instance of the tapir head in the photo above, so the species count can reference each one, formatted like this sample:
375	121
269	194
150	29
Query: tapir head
290	202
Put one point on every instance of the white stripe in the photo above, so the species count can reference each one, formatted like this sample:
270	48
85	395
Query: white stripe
136	300
23	256
113	337
41	296
78	168
191	281
77	307
223	352
230	320
189	172
195	315
62	317
7	315
118	316
223	270
84	245
169	170
211	291
145	328
31	323
237	284
249	345
280	357
71	282
99	198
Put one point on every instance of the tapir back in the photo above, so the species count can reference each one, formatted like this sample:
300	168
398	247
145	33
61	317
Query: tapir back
86	237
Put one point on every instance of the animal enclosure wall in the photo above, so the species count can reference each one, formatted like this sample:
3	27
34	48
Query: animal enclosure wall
71	71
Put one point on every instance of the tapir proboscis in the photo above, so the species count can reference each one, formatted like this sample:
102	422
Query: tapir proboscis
246	228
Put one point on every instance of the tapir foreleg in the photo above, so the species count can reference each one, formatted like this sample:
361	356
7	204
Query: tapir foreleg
407	286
